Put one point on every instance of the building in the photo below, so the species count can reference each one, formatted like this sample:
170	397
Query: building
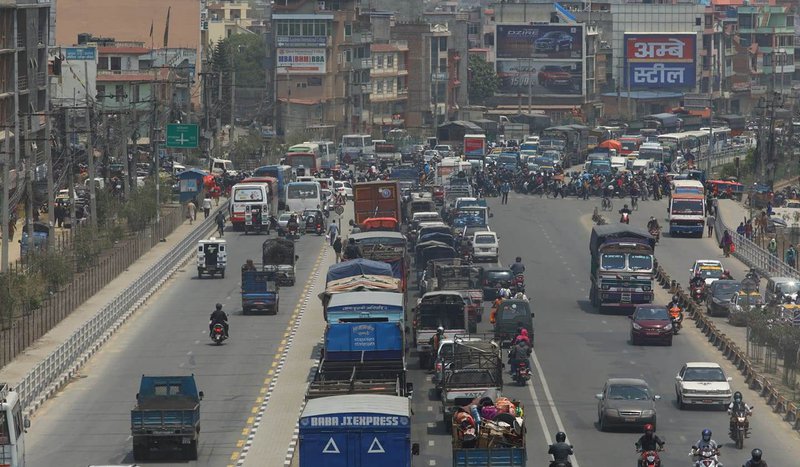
458	46
389	84
226	18
25	34
768	33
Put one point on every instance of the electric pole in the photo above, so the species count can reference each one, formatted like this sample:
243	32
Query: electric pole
5	207
71	165
51	201
30	164
90	153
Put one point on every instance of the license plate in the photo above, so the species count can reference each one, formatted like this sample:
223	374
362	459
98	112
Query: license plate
707	401
626	297
630	420
186	440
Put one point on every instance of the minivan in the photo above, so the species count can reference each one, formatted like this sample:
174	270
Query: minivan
780	287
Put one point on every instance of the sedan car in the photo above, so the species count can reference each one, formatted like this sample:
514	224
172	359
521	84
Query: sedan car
710	269
430	155
702	383
493	280
626	402
718	294
553	41
651	323
344	188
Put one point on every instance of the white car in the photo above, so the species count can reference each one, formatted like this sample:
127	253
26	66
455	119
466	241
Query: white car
702	383
789	212
485	246
710	269
444	150
430	155
344	188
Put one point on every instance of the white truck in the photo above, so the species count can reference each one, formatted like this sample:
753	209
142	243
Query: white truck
13	426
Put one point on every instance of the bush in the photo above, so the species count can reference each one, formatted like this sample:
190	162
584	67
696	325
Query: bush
140	209
55	268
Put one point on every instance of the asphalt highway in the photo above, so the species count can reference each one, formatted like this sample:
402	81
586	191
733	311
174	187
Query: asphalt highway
89	421
576	349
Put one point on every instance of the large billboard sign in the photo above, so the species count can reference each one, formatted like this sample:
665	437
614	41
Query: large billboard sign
539	41
540	77
301	61
665	60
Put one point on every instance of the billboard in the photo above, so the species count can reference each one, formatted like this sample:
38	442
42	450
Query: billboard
541	77
539	41
660	60
80	53
301	61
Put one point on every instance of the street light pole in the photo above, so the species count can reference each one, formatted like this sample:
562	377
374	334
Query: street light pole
90	151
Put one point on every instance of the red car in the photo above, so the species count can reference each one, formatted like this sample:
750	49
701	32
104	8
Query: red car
651	323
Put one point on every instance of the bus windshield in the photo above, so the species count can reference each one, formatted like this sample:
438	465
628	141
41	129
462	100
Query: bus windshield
297	160
687	206
302	191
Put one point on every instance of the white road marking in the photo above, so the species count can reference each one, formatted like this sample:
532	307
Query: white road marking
431	424
430	408
432	462
552	403
538	407
430	442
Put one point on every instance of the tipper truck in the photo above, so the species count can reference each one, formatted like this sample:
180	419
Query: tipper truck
376	199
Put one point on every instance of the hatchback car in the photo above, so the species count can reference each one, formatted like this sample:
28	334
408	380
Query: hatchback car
651	323
344	188
719	294
702	383
710	269
494	280
626	402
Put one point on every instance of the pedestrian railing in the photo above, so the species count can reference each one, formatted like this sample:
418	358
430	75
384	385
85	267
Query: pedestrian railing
51	374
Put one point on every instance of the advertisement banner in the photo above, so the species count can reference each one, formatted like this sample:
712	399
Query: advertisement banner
301	41
660	60
541	77
79	53
301	61
474	146
539	41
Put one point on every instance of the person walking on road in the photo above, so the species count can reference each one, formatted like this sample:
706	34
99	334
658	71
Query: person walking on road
220	221
206	206
505	188
337	248
333	232
710	220
726	243
790	257
191	211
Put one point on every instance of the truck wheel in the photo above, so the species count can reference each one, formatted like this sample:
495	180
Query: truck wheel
448	424
199	273
140	452
245	310
190	451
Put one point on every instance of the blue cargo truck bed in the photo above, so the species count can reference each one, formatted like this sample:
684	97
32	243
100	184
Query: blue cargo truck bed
489	457
259	291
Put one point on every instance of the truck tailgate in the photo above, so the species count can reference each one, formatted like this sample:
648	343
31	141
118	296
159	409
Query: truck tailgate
155	419
494	457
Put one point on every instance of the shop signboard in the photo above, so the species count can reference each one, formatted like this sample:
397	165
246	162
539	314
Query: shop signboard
660	60
301	61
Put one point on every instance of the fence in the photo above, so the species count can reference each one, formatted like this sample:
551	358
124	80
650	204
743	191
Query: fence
26	329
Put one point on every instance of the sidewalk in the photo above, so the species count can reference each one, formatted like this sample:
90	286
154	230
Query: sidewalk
22	365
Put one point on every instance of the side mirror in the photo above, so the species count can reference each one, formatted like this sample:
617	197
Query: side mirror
491	214
201	395
678	378
296	257
598	397
410	389
415	449
656	397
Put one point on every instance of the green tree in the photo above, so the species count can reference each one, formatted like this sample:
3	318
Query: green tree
483	81
247	148
245	54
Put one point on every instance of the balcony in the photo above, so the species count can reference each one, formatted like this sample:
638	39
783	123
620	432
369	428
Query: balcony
41	78
364	37
362	63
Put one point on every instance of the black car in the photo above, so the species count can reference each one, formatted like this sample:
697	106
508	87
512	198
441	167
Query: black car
719	294
494	279
310	218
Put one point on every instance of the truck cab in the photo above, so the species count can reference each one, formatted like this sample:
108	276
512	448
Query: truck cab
13	426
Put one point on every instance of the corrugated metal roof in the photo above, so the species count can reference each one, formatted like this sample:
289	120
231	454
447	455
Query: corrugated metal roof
357	403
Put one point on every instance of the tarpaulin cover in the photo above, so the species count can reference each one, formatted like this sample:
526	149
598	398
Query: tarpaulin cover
357	267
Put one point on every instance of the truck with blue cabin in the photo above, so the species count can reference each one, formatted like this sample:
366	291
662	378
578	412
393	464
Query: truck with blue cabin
356	431
259	290
166	416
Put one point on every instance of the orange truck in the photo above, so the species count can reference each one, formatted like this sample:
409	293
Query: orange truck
376	199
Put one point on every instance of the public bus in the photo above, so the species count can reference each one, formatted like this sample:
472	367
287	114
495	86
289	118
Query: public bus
663	122
281	173
687	187
304	158
687	214
678	142
13	426
303	195
651	151
353	146
327	154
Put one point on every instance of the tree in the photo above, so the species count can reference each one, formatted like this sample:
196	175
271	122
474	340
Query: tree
483	81
245	54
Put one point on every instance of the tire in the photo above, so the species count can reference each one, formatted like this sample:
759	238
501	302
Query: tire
634	341
739	439
222	274
199	273
245	310
140	452
681	405
669	342
601	423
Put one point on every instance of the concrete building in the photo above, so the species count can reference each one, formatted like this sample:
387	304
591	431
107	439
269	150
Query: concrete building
25	26
226	18
404	10
458	48
768	32
389	83
78	76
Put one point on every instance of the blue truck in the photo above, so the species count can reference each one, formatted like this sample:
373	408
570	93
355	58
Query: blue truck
259	290
166	416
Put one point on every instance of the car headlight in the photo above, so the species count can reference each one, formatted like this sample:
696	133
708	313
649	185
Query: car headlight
612	412
648	413
646	288
637	326
668	327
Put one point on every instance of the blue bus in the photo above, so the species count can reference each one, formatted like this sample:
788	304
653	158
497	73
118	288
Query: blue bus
282	173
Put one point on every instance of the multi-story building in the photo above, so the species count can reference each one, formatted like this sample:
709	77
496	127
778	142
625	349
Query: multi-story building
226	18
25	34
458	47
389	83
768	33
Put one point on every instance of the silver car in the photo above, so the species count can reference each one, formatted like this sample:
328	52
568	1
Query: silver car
626	402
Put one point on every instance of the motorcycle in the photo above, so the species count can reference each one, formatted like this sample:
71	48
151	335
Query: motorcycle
518	284
218	333
676	315
625	218
697	292
649	459
656	233
706	458
522	373
291	231
741	429
319	229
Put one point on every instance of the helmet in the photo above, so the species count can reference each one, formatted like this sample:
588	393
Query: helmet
706	435
676	298
625	206
652	218
756	453
519	259
219	306
561	437
648	429
440	330
610	187
737	396
698	274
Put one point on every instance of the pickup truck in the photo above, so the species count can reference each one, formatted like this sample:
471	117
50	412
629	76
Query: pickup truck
259	290
459	351
495	444
473	371
166	416
429	315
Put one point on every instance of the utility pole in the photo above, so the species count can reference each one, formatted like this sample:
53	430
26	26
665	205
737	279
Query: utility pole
90	152
51	201
30	165
6	182
122	148
154	149
71	165
530	87
233	105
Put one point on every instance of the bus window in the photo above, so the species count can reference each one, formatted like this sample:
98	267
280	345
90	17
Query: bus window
5	429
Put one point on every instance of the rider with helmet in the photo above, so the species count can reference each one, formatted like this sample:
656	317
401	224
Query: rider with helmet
623	213
755	459
705	443
517	267
652	224
218	317
736	406
561	451
649	441
697	280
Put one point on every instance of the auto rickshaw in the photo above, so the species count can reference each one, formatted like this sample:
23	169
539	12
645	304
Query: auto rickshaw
212	257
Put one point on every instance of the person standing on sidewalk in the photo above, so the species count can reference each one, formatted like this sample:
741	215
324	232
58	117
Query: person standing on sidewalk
206	206
790	257
726	243
191	211
333	232
710	220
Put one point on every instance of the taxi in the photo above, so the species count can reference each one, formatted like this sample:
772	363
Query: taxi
710	269
741	302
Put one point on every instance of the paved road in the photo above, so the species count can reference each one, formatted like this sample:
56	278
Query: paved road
88	423
577	349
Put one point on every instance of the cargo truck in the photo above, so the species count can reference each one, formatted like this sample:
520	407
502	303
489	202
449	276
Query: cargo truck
376	199
166	416
499	442
473	370
622	266
259	290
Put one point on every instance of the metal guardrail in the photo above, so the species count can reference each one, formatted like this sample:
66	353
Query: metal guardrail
50	375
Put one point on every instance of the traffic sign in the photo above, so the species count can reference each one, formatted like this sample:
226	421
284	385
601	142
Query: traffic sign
182	135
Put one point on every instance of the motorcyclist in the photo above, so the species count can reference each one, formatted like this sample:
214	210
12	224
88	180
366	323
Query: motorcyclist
218	317
560	450
674	301
726	275
520	351
697	280
736	406
292	223
352	251
520	296
517	267
522	336
623	212
755	459
608	191
652	224
705	443
649	441
435	342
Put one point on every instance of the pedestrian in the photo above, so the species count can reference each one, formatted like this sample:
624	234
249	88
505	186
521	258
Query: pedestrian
206	206
727	243
710	220
748	230
505	188
772	247
215	193
220	220
191	211
790	257
740	230
333	232
337	248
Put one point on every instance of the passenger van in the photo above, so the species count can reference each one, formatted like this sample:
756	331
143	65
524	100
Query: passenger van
248	196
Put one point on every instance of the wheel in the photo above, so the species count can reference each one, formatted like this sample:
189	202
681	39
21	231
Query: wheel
739	439
140	452
681	405
601	423
222	274
634	341
245	310
199	273
190	451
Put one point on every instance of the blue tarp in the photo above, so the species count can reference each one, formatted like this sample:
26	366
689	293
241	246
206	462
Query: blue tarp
358	267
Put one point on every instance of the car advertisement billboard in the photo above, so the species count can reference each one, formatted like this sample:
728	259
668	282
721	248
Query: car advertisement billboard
665	60
541	77
547	41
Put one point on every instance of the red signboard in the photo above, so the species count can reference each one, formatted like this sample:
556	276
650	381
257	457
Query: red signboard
474	146
660	47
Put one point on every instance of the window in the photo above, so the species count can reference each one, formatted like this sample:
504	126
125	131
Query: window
119	92
116	63
390	61
443	65
379	61
134	93
348	30
473	28
102	63
294	28
698	21
308	28
380	86
101	90
320	29
282	28
442	44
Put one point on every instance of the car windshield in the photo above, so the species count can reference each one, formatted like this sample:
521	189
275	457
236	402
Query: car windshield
499	275
657	313
711	272
704	374
613	261
723	289
640	262
513	311
484	239
789	288
751	300
285	217
628	392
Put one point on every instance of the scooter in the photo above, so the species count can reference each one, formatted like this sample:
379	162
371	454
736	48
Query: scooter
518	284
218	333
656	233
649	459
676	315
522	373
697	291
